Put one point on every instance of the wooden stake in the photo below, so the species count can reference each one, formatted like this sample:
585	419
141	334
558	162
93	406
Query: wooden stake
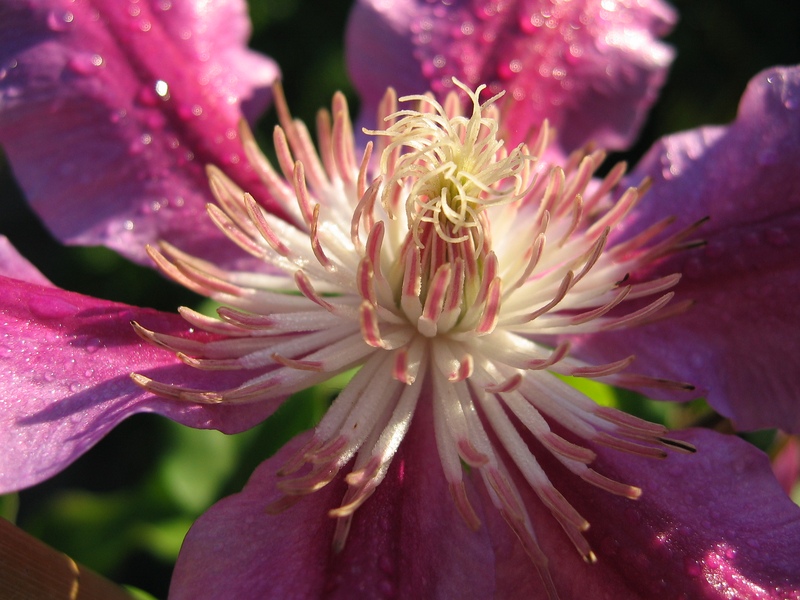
32	569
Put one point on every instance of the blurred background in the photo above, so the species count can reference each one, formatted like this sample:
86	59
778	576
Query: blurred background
124	507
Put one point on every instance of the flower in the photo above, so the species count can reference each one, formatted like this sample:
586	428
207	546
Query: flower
655	545
440	279
737	175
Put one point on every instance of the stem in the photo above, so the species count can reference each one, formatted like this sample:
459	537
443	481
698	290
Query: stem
30	568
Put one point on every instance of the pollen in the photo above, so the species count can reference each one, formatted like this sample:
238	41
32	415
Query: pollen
446	167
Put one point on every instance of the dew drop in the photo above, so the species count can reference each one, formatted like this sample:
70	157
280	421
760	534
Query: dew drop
59	21
162	89
128	225
713	561
5	351
84	64
93	345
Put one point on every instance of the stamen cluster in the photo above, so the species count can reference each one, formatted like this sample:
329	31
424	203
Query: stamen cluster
440	270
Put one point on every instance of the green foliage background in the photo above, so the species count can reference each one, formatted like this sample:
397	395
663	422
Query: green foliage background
124	508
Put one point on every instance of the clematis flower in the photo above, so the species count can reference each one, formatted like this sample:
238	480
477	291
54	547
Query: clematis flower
460	274
440	280
738	176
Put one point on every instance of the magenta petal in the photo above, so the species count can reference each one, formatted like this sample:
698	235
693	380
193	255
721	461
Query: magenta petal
109	112
715	524
591	67
739	342
13	264
65	380
406	541
710	525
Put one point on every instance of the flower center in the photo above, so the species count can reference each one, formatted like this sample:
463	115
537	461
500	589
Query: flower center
446	168
444	274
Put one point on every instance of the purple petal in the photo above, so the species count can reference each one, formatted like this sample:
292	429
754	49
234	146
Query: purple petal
13	264
65	380
406	541
738	343
710	525
109	112
553	59
715	524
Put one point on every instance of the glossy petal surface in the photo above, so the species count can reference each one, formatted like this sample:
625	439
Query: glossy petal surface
407	541
553	59
711	525
109	112
715	524
65	380
739	341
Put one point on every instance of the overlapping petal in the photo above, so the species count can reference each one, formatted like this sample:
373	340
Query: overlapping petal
13	264
407	541
65	379
738	343
731	537
109	112
553	59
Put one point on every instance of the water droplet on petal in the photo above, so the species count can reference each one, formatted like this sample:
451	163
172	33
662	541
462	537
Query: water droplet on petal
162	89
59	21
93	345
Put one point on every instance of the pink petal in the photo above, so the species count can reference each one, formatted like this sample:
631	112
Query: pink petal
739	342
109	112
592	67
710	525
65	380
13	264
407	541
715	524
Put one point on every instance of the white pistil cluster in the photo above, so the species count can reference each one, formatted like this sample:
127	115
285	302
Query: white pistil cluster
440	273
449	167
